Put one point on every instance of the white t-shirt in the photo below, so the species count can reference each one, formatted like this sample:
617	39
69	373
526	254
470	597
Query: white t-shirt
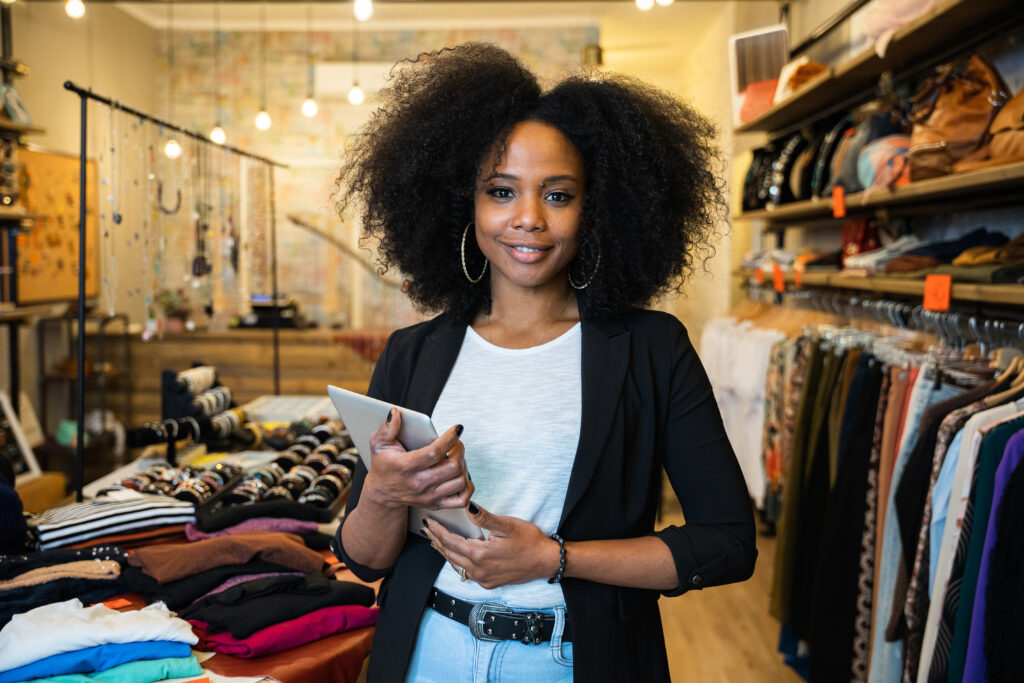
521	410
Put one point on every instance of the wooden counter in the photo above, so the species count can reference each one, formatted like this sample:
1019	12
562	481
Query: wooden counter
310	360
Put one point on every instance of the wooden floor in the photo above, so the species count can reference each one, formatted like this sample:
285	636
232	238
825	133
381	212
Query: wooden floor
725	634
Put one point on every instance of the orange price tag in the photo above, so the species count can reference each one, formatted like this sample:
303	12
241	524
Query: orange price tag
204	679
798	275
117	603
778	279
838	202
758	276
937	290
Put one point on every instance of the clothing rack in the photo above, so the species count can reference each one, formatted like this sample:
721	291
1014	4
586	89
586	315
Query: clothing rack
956	328
84	96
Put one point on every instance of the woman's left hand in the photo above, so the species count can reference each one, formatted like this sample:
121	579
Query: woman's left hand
515	551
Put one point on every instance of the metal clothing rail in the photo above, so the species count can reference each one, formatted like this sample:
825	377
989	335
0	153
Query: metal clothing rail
84	96
89	94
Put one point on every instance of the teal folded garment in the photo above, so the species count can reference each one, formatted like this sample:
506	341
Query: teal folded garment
135	672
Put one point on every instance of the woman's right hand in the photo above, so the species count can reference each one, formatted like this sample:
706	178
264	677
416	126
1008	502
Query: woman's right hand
432	477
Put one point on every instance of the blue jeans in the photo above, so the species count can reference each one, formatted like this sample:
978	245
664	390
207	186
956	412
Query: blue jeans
446	652
887	657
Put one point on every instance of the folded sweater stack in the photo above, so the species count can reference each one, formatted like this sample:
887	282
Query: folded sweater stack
35	579
109	517
68	638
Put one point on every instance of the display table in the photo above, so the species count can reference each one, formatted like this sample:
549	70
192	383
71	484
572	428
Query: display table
310	360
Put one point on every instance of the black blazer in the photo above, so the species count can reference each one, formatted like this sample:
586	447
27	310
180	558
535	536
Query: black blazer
647	404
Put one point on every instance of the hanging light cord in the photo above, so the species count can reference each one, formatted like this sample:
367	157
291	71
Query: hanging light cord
263	56
170	60
309	50
216	58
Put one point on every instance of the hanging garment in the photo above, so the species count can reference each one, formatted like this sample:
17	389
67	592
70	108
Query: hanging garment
974	666
835	589
915	610
952	555
1004	620
816	487
786	547
887	654
947	660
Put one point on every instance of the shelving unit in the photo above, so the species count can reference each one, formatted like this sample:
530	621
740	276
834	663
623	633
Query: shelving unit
945	25
989	187
1004	294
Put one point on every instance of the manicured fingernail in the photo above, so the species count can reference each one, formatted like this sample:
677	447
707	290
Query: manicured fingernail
458	430
424	521
473	508
423	533
469	477
389	414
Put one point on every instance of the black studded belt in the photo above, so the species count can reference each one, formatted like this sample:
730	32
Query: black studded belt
494	621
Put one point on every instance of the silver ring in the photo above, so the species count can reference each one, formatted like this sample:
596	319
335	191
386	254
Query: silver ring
462	574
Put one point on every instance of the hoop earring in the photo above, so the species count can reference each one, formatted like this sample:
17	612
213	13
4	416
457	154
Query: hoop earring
586	284
462	254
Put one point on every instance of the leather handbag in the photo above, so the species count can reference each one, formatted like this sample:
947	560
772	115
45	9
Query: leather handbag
753	196
1006	139
951	115
803	168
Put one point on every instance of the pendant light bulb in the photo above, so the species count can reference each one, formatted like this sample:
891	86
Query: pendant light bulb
644	4
309	108
355	95
218	135
172	149
74	9
664	3
263	120
363	9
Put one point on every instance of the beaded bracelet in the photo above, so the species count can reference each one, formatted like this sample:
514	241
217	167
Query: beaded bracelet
557	578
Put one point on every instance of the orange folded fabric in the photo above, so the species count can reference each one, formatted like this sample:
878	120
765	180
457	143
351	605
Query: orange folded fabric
171	562
981	256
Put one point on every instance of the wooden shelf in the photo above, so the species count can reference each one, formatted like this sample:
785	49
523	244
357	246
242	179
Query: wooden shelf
7	124
990	186
930	33
1008	294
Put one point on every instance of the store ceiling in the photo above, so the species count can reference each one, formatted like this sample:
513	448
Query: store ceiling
388	14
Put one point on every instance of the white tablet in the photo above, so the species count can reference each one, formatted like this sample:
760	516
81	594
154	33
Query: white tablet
363	415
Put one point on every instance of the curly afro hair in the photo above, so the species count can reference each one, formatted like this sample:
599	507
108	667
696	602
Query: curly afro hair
653	197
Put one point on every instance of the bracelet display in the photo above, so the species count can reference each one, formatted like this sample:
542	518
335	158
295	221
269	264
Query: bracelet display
557	578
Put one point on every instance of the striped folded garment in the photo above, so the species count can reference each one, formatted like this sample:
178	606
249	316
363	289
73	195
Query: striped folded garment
114	512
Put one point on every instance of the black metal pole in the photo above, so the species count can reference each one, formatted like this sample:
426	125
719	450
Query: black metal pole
89	94
80	407
273	284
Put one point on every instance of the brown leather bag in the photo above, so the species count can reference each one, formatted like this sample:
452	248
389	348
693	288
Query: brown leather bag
951	114
1006	139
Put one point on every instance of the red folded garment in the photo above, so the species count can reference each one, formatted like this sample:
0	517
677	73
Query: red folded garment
288	634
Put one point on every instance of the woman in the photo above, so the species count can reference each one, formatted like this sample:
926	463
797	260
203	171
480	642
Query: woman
535	223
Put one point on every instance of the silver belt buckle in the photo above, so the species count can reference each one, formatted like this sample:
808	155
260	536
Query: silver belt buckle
481	619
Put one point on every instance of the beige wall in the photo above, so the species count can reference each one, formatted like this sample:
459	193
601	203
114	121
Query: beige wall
684	49
106	50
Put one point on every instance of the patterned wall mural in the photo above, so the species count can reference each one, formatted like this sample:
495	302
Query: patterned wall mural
327	283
